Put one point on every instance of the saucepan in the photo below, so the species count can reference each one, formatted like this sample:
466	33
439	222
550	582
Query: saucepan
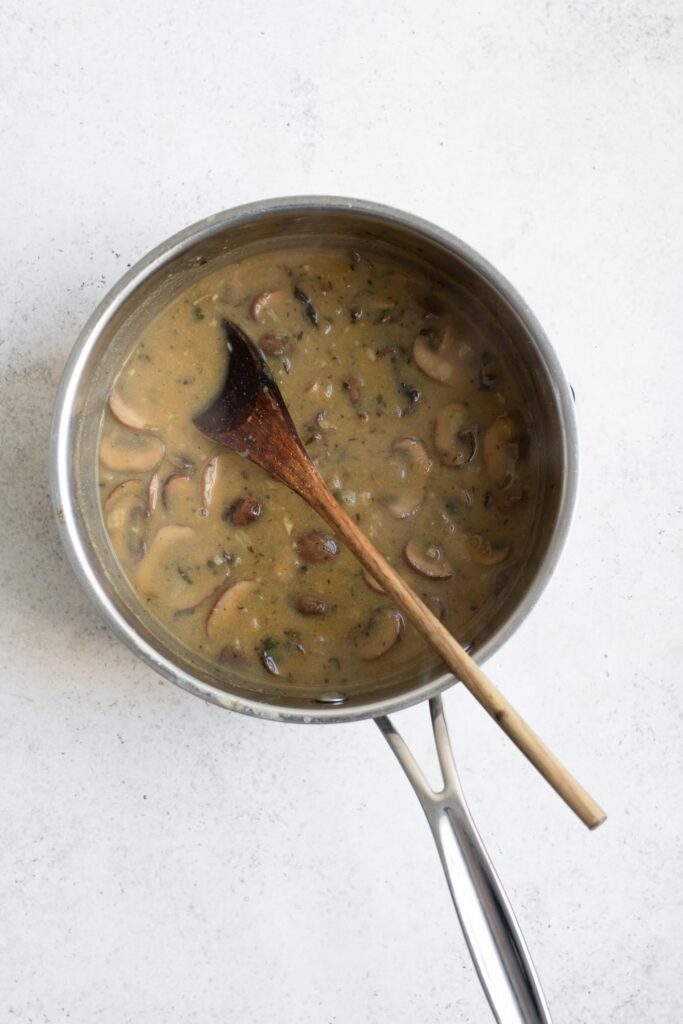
493	936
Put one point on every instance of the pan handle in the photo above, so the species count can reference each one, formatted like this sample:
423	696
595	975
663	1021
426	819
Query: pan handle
495	941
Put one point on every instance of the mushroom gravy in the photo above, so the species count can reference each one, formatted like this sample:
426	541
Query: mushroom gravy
405	398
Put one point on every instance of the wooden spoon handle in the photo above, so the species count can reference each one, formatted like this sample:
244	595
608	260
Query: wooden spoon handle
457	659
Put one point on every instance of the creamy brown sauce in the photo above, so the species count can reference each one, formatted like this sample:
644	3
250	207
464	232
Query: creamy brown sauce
415	421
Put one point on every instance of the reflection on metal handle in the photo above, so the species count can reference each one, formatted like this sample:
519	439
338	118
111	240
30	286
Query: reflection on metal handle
498	949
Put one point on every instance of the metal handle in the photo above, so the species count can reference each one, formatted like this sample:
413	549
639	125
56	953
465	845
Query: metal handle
495	941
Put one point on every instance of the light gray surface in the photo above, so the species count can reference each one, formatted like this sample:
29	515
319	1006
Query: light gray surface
162	860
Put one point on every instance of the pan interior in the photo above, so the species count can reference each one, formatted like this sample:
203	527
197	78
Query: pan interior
166	278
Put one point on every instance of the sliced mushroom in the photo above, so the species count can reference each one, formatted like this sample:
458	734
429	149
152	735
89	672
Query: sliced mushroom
311	604
176	568
316	547
382	631
258	305
207	481
436	604
483	552
179	495
455	442
372	582
501	447
272	345
221	619
266	305
125	511
131	453
153	490
437	355
244	511
427	559
135	419
415	466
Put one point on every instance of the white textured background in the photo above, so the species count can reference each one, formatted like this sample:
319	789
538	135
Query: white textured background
165	861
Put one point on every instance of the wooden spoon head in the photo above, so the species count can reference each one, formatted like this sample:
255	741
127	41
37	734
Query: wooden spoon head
250	416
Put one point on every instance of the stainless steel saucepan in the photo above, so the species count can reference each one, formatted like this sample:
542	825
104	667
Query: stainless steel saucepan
493	936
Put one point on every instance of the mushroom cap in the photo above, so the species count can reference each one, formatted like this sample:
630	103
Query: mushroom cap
438	354
311	604
483	552
131	452
221	619
179	496
207	481
176	568
415	465
316	547
125	512
268	305
372	582
153	492
428	559
127	415
501	447
245	510
455	442
380	634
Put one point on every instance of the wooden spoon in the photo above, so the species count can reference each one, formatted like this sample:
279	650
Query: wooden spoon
250	417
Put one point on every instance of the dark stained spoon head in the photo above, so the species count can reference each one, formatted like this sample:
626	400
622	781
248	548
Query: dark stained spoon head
249	415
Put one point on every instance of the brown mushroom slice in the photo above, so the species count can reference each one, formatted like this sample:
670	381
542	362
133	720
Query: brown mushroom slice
176	568
501	447
207	481
244	511
153	492
311	604
437	354
415	466
125	511
428	559
316	547
372	582
455	442
217	483
220	621
179	496
436	604
132	453
273	344
269	306
129	417
483	552
381	633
